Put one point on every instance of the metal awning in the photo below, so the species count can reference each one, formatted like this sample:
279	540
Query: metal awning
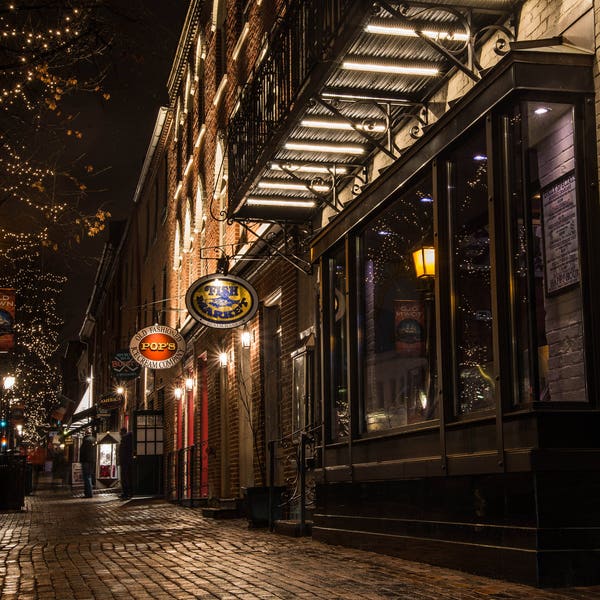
337	81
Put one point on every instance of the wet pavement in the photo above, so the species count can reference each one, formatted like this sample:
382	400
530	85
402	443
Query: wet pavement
63	547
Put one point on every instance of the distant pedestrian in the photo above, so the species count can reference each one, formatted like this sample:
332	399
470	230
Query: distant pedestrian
126	462
59	468
87	458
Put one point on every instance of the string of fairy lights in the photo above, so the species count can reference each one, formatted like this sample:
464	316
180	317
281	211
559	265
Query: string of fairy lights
33	40
41	45
37	377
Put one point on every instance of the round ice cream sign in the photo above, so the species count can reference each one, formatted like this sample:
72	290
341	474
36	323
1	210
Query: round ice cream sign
221	301
157	347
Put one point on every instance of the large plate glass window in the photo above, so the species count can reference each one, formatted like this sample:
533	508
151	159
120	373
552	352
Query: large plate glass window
335	307
467	189
397	312
544	246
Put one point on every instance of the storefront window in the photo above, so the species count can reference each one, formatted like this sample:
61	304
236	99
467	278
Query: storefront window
397	314
547	302
471	275
338	350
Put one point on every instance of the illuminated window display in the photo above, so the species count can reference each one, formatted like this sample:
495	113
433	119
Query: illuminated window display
486	269
397	313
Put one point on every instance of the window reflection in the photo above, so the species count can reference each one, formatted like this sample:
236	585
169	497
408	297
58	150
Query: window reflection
547	305
470	255
340	417
397	314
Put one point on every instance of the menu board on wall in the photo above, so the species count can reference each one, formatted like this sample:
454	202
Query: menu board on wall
561	254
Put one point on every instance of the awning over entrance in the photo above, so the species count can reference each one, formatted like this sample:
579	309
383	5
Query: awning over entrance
557	70
338	78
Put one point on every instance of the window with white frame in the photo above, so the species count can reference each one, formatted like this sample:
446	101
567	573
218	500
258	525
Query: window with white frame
177	247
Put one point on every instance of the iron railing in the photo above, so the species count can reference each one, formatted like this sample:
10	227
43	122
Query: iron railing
302	40
299	448
185	481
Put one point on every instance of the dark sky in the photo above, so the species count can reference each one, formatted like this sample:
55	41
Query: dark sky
116	134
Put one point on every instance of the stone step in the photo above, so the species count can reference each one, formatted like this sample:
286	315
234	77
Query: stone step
292	528
221	513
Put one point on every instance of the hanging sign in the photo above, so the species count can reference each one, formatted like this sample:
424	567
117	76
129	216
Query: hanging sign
110	401
124	366
221	301
157	347
7	319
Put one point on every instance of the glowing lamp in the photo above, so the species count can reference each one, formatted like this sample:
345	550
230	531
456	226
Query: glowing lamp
424	259
223	359
9	382
189	384
246	339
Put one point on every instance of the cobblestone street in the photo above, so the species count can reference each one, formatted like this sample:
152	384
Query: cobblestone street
64	547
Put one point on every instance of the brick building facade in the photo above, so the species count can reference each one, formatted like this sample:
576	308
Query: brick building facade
313	148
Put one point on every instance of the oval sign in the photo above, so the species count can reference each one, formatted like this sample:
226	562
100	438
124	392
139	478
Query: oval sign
221	301
157	347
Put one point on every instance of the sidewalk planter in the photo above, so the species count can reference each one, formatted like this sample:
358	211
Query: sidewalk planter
12	482
257	505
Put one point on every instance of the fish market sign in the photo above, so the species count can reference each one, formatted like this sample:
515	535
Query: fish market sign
157	347
221	301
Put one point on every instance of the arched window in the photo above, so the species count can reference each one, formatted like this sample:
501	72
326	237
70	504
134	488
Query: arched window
199	220
177	247
198	58
218	26
187	228
187	93
220	197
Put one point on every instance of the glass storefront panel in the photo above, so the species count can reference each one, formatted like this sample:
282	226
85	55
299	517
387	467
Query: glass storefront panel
471	275
338	347
531	336
397	312
544	230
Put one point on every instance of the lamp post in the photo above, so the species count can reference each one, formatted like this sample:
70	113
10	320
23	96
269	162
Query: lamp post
7	384
424	262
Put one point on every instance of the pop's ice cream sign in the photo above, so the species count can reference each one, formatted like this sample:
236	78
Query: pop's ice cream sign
157	347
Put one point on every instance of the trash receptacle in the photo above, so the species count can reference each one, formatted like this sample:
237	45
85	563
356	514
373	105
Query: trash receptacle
12	481
28	479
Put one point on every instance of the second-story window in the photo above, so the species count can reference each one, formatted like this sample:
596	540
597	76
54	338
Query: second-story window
177	247
218	26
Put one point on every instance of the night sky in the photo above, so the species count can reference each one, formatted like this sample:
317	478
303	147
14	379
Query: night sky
116	135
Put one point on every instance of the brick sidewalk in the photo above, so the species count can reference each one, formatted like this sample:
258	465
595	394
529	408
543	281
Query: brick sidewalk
63	547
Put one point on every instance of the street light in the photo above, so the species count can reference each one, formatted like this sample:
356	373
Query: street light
7	384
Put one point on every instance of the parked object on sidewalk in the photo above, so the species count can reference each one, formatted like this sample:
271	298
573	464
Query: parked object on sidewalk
12	481
126	462
264	505
87	457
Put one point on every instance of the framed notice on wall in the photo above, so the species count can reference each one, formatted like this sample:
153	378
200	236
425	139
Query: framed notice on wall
561	252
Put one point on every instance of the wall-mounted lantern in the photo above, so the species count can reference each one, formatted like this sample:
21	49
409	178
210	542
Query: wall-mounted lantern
246	338
223	359
424	260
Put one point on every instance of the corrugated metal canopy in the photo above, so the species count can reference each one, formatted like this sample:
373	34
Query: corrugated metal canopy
393	58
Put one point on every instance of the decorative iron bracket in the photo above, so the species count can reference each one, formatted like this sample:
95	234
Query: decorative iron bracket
299	263
386	110
320	195
472	68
